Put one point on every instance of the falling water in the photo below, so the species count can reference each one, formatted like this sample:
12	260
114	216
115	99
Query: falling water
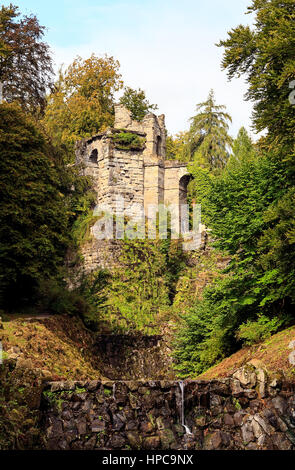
181	386
114	390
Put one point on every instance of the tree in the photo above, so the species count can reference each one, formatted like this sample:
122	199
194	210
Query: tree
137	103
25	61
34	220
82	103
208	139
265	55
242	148
249	207
177	148
257	289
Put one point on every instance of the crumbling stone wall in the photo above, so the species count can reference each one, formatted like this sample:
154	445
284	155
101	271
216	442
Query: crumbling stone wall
152	126
123	357
114	172
246	411
141	176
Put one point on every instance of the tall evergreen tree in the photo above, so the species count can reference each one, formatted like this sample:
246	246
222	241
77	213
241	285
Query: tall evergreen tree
242	148
208	138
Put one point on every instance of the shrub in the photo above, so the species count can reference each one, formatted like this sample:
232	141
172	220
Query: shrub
54	297
128	141
253	332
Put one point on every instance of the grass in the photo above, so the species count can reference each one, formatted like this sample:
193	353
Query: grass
58	344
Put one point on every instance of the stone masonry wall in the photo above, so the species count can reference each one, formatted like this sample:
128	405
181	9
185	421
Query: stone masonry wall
100	254
114	172
124	357
246	411
152	126
140	177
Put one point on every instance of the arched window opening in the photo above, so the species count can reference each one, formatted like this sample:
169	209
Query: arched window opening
183	183
183	203
159	141
93	156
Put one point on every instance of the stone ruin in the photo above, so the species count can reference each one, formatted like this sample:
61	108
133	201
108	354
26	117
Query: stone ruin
138	172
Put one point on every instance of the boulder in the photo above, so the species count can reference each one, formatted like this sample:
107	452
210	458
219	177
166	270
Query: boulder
246	376
247	433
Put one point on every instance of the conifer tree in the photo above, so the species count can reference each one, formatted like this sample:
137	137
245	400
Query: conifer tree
243	148
208	138
264	55
82	102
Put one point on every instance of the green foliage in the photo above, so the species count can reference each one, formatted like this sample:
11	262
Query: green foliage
25	61
92	289
77	188
208	139
236	404
138	293
242	148
82	225
19	413
107	392
34	220
54	297
177	147
54	399
137	103
253	332
264	54
233	203
277	248
125	140
249	213
82	102
138	290
208	331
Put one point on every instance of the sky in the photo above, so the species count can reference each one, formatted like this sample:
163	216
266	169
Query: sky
165	47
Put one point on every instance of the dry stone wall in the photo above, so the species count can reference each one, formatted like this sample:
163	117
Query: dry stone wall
123	357
246	411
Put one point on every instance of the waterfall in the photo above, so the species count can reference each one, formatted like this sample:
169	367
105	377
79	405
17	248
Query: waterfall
181	386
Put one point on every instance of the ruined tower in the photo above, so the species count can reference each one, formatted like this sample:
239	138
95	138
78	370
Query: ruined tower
129	160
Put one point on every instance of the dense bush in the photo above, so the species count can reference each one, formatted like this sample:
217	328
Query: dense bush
128	141
136	295
249	210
